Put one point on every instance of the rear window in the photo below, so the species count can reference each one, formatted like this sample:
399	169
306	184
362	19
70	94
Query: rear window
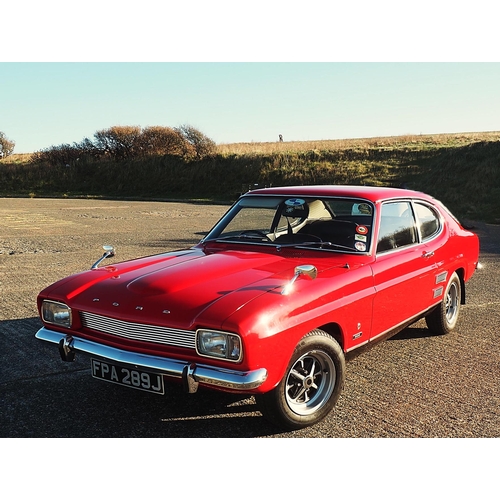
429	223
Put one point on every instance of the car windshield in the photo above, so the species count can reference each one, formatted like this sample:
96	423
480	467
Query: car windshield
340	224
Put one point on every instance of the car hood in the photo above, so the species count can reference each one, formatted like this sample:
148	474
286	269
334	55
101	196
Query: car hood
184	289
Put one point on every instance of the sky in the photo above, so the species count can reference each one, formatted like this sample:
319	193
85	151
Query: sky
247	74
49	104
243	73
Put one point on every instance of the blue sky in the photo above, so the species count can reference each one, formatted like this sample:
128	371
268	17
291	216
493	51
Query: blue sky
243	73
48	104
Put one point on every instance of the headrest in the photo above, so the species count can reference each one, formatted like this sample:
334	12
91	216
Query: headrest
295	208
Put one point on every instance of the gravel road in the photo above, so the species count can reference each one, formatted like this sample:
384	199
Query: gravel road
414	385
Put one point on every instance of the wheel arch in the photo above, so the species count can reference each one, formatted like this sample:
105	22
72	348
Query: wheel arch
335	331
461	276
312	383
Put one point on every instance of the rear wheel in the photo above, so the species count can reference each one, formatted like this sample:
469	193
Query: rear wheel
443	319
311	385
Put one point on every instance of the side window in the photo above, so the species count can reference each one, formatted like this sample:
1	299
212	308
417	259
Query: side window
397	226
428	221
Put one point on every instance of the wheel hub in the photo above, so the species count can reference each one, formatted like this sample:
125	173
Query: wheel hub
310	382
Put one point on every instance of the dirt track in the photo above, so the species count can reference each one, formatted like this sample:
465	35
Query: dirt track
414	385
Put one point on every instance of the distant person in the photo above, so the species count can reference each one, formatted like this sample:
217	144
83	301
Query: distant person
281	138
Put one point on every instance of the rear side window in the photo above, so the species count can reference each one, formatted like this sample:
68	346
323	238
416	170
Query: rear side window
397	226
428	221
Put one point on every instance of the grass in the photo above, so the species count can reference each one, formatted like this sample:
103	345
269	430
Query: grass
462	170
398	142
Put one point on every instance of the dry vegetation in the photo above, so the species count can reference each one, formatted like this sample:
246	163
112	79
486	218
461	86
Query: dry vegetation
462	170
403	141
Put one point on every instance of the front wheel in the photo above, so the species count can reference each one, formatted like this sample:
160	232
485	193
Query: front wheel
311	385
443	319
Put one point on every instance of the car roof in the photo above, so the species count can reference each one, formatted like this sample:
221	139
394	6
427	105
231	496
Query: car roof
370	193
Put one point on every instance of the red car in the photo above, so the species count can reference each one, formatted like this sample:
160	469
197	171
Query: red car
288	284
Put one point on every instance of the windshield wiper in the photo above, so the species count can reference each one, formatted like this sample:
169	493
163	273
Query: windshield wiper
253	237
320	244
261	239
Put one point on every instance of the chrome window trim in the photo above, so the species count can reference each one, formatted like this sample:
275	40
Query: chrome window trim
412	202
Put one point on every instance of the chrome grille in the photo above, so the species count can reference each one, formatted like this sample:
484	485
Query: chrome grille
138	331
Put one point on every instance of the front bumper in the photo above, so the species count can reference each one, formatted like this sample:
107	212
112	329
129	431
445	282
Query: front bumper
190	374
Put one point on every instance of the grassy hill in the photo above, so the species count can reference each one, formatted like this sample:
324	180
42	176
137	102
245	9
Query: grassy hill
462	170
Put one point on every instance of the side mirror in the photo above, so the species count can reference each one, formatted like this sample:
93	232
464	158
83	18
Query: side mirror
109	251
305	270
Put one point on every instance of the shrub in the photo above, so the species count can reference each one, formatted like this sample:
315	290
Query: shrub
119	142
6	146
161	141
87	149
64	154
198	144
130	142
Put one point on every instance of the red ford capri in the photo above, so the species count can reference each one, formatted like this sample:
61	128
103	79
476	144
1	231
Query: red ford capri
289	284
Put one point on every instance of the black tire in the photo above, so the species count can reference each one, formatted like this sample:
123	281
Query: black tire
311	385
443	319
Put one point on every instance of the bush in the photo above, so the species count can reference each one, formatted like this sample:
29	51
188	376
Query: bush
119	142
6	146
161	141
129	142
64	154
198	144
87	150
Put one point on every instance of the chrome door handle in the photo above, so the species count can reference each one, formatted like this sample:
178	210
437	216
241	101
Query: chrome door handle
426	255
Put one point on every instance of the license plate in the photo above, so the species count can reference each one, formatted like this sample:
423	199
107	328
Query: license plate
127	376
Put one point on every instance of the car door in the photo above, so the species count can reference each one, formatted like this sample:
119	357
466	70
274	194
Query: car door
403	270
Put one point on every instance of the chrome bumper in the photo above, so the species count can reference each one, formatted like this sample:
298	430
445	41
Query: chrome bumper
191	374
